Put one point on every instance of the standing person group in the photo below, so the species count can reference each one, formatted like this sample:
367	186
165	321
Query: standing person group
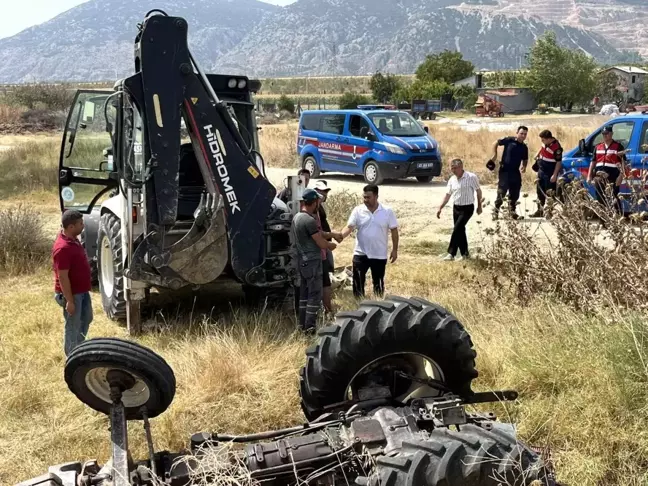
311	233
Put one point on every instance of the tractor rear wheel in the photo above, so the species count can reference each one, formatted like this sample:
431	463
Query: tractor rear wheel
378	344
111	267
472	457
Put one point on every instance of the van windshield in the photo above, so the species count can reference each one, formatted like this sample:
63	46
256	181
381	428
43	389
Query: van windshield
397	124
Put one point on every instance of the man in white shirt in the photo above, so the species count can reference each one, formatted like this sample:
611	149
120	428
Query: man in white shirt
374	222
462	187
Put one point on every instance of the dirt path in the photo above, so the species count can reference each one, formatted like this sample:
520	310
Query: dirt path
416	205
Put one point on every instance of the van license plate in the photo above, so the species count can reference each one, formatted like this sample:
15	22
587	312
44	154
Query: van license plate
425	165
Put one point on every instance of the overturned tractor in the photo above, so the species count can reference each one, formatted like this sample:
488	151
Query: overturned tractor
385	391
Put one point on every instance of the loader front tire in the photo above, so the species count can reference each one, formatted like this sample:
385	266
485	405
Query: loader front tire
111	268
384	337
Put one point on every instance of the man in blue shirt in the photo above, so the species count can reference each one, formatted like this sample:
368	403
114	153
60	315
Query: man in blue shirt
513	164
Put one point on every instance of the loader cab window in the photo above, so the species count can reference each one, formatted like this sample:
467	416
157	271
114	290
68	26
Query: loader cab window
86	156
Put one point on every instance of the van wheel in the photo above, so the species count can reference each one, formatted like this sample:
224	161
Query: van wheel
310	164
372	174
424	178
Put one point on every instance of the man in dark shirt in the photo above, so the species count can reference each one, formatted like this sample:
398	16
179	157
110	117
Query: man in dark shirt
309	243
328	263
515	154
72	280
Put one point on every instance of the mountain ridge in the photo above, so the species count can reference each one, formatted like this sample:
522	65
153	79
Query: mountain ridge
94	41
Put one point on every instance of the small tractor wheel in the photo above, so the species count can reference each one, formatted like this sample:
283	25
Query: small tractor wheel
149	380
377	344
473	456
424	178
111	268
310	164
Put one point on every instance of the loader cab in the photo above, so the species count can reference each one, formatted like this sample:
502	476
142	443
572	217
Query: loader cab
101	122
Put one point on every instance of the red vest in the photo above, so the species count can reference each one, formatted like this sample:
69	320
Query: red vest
551	153
608	157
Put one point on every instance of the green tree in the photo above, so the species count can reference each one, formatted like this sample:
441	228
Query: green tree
351	100
560	76
466	95
286	104
606	86
384	87
447	66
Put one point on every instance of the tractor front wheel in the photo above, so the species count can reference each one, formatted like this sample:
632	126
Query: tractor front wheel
111	267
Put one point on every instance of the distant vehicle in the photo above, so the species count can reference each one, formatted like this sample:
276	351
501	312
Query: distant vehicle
379	144
422	109
376	107
631	131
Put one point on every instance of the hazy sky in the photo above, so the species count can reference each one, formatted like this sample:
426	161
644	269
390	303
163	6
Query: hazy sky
19	15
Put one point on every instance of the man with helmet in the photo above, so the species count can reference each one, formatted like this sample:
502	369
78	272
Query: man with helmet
609	158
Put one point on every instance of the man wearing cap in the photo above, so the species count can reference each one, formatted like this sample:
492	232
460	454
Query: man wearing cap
609	157
309	243
549	165
515	157
327	255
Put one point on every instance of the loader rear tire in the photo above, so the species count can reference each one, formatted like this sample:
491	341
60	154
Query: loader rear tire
86	373
381	329
111	268
472	457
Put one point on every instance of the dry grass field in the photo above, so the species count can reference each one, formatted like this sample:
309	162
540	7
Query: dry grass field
581	370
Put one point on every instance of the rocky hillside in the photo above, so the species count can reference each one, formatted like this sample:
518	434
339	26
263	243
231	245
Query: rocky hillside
94	41
623	23
314	37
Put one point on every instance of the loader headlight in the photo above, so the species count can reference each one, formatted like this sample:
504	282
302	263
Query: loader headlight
242	83
231	83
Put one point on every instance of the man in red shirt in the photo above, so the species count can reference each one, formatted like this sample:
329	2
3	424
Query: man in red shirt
72	280
609	158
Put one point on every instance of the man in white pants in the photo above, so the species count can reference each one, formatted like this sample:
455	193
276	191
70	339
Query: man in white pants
462	187
374	223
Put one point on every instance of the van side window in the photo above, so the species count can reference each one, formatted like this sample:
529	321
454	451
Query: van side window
310	122
643	144
333	124
356	123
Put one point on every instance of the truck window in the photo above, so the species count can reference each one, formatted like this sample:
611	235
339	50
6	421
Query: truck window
356	123
310	122
333	124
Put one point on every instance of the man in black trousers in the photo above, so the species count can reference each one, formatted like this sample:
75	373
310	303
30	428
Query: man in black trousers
515	157
462	187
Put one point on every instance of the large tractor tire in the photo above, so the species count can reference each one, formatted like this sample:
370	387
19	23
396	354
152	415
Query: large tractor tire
111	268
472	457
385	333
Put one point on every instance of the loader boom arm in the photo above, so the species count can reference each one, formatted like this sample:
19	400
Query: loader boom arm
166	88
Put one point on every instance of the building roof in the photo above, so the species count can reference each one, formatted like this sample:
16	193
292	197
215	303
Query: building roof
628	69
